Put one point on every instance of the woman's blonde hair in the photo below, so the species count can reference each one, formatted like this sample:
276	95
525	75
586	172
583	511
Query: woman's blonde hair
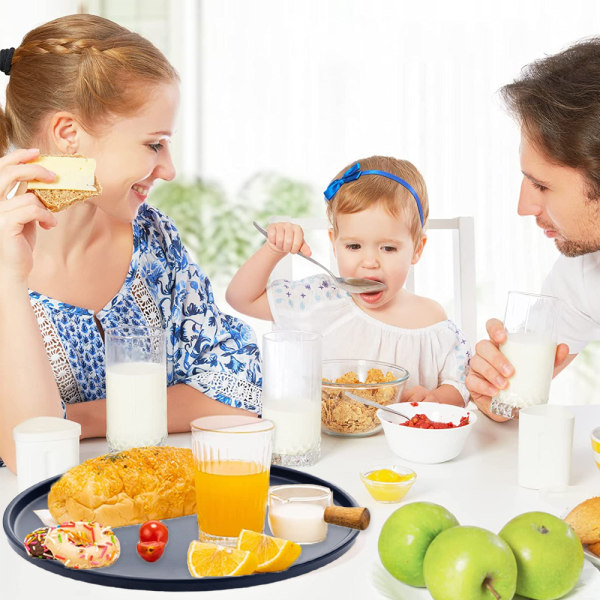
82	64
370	190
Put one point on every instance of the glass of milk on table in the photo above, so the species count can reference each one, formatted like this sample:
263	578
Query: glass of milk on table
531	326
291	395
136	387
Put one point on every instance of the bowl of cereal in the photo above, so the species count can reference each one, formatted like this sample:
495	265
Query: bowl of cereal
378	381
434	433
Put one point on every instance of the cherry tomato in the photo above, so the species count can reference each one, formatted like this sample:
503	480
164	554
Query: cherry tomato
150	551
154	531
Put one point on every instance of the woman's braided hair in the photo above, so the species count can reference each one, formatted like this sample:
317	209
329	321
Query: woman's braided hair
84	64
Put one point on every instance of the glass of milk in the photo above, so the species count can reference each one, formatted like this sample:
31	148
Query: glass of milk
531	326
291	395
136	387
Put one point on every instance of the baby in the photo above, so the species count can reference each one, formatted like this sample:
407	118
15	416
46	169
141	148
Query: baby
378	208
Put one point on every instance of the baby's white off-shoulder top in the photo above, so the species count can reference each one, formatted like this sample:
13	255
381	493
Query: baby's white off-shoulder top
434	355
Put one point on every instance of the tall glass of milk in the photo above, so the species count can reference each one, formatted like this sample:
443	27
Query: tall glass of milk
291	395
136	387
531	326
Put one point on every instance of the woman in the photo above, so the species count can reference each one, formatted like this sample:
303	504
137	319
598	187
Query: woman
84	85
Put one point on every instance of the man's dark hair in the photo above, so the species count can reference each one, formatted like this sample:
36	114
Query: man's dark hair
557	102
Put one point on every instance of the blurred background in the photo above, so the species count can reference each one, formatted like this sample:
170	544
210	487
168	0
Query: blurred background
279	95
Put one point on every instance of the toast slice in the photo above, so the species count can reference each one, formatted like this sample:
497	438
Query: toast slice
57	200
75	182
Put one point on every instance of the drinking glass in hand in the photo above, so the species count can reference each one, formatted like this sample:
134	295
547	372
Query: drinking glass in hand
136	387
531	326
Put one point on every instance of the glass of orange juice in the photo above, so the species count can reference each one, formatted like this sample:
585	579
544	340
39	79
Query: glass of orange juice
232	461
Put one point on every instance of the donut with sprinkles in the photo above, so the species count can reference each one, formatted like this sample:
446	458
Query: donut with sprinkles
83	544
35	544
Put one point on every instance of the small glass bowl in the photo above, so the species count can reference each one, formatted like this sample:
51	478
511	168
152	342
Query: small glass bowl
388	492
296	512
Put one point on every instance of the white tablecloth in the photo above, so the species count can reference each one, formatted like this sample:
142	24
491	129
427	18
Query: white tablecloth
479	487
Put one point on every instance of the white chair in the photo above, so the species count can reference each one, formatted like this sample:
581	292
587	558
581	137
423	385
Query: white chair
463	311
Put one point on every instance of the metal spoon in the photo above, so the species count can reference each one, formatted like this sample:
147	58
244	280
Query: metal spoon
353	285
376	405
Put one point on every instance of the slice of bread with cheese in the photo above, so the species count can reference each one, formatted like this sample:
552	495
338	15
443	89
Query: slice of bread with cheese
76	181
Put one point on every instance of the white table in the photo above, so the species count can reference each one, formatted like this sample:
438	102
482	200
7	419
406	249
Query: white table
479	487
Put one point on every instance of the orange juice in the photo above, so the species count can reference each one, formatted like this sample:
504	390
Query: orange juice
231	495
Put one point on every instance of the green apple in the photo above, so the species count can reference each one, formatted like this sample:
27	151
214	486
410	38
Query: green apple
405	536
549	555
470	563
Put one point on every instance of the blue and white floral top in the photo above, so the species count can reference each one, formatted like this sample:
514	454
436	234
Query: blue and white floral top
213	352
434	355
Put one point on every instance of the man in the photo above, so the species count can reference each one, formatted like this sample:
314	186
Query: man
556	101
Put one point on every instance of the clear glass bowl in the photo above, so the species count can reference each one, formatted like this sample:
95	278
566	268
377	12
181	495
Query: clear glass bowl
342	416
387	489
296	512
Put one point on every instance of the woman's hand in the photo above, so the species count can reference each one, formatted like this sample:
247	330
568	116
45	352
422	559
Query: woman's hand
287	238
19	214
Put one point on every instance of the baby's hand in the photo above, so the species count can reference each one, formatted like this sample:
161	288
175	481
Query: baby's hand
287	238
418	394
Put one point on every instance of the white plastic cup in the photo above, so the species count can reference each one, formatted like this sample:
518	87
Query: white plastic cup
545	446
45	446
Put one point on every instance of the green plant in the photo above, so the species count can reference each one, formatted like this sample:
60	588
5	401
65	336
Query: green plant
218	231
273	194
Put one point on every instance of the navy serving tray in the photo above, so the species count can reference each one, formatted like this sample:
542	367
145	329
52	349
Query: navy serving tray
170	573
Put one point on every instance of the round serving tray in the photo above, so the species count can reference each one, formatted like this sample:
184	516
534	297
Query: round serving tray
170	573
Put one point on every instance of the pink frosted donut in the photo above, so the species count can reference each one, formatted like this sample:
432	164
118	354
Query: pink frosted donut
83	544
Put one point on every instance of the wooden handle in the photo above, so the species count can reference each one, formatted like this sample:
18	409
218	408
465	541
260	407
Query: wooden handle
356	517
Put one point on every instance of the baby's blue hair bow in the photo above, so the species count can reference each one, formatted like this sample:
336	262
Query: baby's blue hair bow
354	172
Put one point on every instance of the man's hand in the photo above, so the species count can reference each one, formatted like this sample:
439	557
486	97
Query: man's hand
489	370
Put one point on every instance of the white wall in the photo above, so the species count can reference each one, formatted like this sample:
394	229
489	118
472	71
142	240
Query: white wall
305	87
19	17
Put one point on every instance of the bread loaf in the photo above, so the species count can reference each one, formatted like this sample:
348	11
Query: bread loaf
127	487
585	520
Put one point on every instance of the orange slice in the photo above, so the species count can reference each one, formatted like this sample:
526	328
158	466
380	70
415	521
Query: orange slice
212	560
273	554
